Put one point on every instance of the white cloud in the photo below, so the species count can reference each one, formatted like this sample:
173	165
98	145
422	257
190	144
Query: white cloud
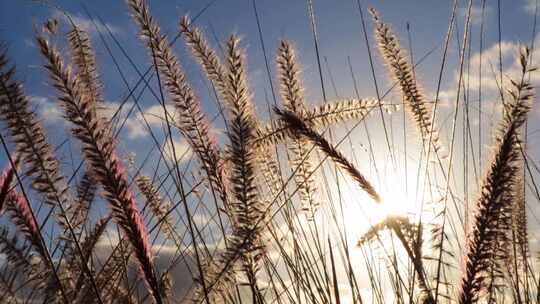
87	24
135	124
202	220
530	6
491	79
47	110
154	115
447	98
137	128
476	13
490	61
180	153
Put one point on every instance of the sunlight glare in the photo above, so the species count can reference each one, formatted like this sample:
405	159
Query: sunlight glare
396	199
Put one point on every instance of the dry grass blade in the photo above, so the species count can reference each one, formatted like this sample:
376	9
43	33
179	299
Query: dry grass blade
493	207
300	128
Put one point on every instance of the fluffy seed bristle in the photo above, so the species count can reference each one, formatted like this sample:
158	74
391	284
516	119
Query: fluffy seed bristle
401	70
293	100
492	219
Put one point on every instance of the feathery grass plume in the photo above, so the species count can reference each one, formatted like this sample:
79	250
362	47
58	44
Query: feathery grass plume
108	278
84	61
15	254
30	141
88	245
293	100
519	218
31	147
20	213
8	290
51	26
344	110
166	285
410	236
520	252
99	152
155	202
93	236
491	220
6	180
18	209
401	70
86	191
443	256
247	209
217	73
193	123
320	117
90	241
292	92
219	278
205	55
299	127
515	274
390	222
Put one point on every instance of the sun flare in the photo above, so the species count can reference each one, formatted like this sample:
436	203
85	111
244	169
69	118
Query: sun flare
399	197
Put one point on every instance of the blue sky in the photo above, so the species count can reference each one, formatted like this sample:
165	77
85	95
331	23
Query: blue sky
338	25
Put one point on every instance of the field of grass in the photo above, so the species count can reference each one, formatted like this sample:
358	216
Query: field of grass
403	196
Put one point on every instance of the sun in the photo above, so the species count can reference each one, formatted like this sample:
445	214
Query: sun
399	197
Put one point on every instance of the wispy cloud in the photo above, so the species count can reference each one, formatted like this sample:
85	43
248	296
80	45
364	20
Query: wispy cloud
476	13
154	116
47	110
488	64
530	6
86	23
180	153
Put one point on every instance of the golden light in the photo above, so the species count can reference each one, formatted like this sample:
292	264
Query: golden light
399	196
